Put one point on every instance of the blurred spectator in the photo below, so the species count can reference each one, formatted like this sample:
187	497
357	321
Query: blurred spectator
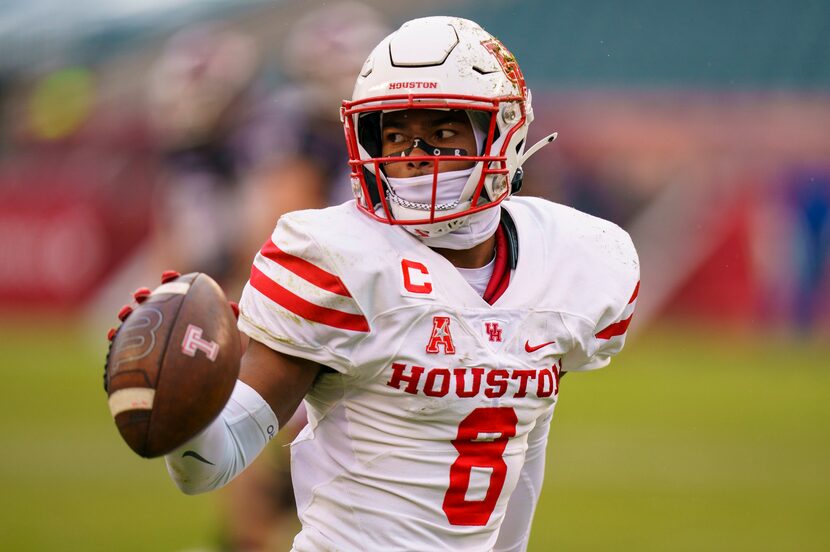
321	56
810	199
217	134
219	138
235	160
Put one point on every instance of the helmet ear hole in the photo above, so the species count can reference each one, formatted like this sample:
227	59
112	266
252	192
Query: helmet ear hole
372	186
368	133
519	147
516	183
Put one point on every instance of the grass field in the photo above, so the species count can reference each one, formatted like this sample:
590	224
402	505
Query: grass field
688	442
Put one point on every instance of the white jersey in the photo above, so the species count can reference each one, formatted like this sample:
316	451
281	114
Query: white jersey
418	434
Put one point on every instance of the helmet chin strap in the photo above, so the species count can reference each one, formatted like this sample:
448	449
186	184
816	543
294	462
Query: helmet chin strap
475	229
411	198
537	146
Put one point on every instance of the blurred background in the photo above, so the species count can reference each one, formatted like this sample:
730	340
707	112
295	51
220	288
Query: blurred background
140	135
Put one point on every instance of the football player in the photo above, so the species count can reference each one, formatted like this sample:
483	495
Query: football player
427	323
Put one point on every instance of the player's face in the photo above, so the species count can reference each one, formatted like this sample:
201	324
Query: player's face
442	129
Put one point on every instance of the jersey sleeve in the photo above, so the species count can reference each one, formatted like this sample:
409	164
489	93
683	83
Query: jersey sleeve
295	302
597	342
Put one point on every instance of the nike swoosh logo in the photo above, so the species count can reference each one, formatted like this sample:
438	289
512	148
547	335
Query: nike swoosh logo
196	456
530	349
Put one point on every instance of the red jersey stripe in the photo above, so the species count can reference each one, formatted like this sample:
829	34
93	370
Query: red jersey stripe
635	294
615	329
306	309
307	271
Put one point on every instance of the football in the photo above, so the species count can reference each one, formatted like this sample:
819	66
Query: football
172	364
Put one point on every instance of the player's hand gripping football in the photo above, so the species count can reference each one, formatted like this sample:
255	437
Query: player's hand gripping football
173	362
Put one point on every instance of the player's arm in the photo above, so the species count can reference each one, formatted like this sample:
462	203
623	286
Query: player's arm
270	388
281	380
296	303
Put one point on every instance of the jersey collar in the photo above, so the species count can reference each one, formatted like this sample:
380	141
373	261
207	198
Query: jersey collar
507	252
511	237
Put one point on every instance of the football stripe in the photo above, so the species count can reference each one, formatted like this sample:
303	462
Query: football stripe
132	398
307	271
177	288
299	306
615	329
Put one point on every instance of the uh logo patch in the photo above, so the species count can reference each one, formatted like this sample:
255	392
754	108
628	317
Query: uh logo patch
493	330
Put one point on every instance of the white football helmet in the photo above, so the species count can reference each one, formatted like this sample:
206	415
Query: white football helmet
442	63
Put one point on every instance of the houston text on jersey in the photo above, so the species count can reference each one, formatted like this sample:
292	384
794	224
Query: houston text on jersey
470	382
